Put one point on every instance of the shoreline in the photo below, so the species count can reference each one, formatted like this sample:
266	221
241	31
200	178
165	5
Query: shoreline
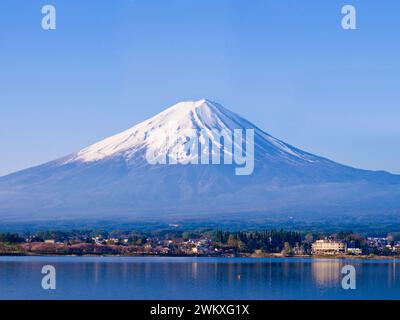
272	255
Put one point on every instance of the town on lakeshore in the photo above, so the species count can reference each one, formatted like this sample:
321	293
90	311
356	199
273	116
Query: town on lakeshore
209	243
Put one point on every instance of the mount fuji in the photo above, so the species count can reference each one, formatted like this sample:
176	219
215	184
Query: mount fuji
113	180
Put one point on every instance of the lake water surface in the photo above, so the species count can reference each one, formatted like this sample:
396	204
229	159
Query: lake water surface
197	278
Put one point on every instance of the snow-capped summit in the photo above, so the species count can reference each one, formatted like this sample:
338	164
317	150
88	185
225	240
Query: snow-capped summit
180	123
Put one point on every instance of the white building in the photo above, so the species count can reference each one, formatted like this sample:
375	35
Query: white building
328	247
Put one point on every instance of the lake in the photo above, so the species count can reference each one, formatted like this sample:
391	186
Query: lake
197	278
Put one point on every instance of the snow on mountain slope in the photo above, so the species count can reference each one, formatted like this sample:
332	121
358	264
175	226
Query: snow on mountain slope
112	178
183	120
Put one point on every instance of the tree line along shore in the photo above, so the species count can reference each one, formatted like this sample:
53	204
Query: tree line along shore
207	242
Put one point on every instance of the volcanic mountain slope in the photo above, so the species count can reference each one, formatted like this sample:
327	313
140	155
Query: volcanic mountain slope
113	178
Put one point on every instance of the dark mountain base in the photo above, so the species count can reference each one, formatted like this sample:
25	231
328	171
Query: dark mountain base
253	221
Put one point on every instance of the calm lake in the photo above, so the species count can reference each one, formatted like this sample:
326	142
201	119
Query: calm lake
197	278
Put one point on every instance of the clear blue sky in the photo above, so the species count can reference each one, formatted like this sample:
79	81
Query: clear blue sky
287	66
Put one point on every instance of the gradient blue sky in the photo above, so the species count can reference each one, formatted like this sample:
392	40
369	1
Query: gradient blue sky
287	66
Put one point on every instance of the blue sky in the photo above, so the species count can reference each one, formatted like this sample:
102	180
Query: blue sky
287	66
